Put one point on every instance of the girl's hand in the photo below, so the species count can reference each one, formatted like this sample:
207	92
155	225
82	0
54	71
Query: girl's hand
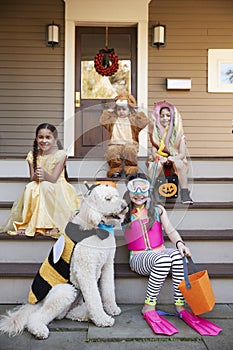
172	158
176	160
40	173
187	252
163	159
184	251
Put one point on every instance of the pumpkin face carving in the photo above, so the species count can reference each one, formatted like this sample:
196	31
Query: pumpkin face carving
167	189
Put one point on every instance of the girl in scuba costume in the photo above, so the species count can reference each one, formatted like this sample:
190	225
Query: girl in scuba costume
148	255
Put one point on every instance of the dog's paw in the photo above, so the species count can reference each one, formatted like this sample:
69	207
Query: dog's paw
107	321
79	313
113	310
40	332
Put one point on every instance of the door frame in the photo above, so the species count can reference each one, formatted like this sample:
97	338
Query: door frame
79	14
82	147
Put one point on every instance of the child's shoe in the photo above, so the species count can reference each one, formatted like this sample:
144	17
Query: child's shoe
185	197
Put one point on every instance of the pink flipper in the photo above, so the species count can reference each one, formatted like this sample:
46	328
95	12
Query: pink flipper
199	324
158	324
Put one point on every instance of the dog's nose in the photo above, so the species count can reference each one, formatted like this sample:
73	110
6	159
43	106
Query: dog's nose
123	206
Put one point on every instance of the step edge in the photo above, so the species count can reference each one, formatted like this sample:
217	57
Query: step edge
194	206
121	270
121	180
202	235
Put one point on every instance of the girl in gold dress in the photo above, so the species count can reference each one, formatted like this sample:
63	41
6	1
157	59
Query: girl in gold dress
48	200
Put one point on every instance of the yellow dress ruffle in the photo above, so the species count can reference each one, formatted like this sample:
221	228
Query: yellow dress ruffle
44	205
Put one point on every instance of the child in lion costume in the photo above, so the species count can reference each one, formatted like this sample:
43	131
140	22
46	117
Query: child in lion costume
123	123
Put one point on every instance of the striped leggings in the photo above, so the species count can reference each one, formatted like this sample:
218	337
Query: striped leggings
157	265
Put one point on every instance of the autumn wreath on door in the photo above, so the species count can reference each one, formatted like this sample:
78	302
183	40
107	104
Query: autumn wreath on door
106	60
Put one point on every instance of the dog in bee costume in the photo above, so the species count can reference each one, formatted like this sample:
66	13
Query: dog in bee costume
76	281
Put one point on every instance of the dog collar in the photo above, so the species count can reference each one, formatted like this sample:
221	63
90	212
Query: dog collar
76	233
109	228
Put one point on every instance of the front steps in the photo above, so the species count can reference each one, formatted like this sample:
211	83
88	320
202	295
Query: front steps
21	258
206	227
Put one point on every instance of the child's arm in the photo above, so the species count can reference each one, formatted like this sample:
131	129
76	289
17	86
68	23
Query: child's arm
182	151
140	120
107	119
155	154
33	175
42	175
173	235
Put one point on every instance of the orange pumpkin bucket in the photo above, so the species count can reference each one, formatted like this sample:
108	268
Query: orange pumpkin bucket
197	290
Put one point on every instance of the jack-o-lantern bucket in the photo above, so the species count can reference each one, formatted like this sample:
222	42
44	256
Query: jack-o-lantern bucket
168	189
168	186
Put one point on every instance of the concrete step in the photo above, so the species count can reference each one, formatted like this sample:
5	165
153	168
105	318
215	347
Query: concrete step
202	215
207	246
97	167
211	167
220	274
202	189
17	279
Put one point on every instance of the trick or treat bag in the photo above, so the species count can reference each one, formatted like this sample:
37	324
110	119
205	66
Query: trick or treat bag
196	289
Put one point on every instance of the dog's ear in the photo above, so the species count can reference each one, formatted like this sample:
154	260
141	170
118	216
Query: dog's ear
93	218
89	214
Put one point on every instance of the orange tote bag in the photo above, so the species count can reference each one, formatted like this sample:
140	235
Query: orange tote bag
196	289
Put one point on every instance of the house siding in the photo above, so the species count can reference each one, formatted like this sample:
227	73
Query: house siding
193	27
31	74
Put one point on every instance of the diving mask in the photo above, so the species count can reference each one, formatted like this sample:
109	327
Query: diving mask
138	186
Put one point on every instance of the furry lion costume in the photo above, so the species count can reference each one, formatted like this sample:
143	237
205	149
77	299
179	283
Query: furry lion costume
123	135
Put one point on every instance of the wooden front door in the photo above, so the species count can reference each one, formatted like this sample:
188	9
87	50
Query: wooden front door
95	92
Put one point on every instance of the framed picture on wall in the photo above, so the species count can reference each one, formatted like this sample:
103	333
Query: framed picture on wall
220	70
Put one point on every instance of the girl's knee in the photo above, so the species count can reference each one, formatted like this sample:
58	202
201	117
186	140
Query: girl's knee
179	165
175	255
164	260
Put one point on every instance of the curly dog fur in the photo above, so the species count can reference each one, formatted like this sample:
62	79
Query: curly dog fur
91	274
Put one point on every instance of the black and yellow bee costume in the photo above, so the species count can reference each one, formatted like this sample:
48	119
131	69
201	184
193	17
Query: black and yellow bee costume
50	273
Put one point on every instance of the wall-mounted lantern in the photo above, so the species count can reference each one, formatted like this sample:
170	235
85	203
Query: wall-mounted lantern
53	35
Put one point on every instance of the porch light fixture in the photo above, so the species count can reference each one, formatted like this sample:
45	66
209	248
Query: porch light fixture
53	35
159	35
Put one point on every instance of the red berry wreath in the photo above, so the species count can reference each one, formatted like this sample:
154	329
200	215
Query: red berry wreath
106	62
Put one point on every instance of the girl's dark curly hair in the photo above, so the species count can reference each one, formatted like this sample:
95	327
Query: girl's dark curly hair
152	206
53	129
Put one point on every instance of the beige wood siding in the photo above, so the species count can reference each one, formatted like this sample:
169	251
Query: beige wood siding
193	27
31	74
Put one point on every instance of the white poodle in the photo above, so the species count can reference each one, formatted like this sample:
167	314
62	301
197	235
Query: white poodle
90	291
